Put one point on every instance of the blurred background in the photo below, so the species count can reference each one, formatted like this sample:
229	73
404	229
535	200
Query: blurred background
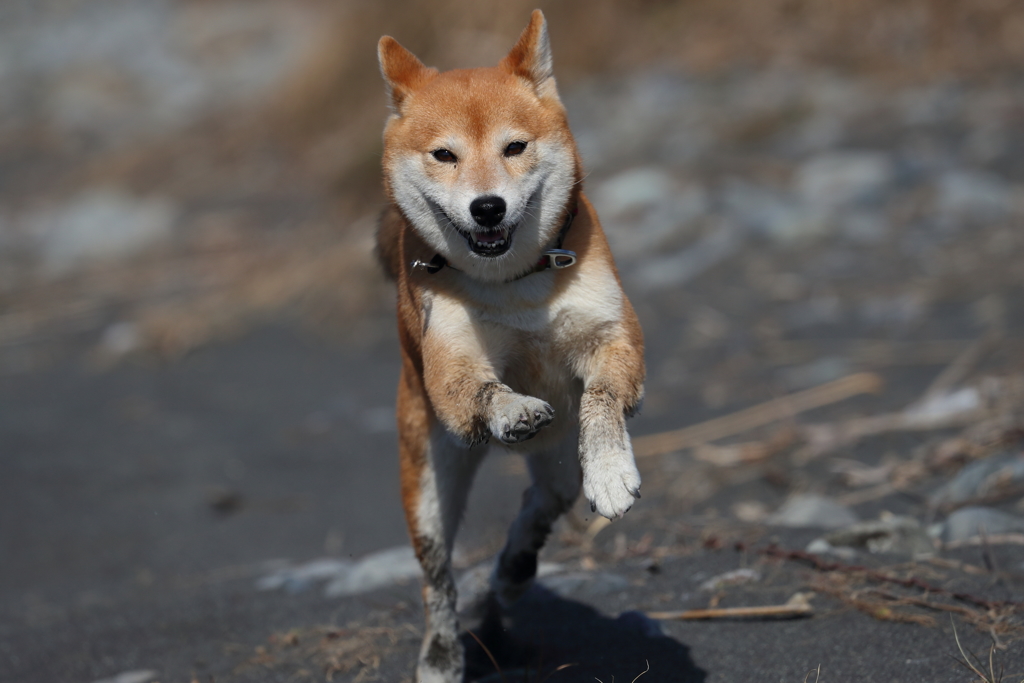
186	168
197	353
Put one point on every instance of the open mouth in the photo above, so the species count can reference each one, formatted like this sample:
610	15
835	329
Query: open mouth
490	243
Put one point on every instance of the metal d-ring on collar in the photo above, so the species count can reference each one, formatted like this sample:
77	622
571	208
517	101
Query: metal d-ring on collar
552	259
557	259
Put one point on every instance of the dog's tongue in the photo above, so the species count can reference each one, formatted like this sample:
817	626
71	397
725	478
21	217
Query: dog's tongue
488	237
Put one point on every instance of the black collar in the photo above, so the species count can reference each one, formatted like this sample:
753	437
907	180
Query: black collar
555	258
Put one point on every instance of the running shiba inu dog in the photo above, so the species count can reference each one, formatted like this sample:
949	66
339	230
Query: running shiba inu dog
513	324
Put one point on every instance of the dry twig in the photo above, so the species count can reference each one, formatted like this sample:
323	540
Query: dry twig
782	408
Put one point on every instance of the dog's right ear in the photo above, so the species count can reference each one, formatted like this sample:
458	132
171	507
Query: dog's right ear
402	72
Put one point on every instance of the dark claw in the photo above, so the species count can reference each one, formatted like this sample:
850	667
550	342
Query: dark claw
636	492
593	506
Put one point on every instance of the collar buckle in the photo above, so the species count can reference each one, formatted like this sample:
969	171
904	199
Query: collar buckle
559	258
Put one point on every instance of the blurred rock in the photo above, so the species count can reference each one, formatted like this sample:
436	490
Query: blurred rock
945	407
864	227
751	511
980	479
774	215
120	338
811	510
117	70
98	225
820	310
894	311
297	578
836	179
971	522
674	270
375	571
735	577
345	577
138	676
973	195
644	207
633	189
816	372
889	534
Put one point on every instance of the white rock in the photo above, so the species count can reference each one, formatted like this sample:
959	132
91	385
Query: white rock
970	522
298	577
816	372
674	270
811	510
775	215
138	676
375	571
973	194
121	338
841	178
632	189
946	406
732	578
980	479
888	534
99	224
644	207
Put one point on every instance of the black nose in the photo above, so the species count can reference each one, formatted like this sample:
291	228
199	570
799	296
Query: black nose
487	211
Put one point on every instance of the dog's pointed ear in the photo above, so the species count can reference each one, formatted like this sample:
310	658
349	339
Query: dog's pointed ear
530	58
402	72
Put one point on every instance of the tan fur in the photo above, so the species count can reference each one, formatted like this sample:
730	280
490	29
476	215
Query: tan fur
489	351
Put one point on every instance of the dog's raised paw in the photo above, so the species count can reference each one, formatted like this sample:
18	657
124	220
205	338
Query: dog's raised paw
516	418
612	486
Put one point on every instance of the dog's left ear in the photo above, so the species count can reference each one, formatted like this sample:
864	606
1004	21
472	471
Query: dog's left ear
403	73
531	57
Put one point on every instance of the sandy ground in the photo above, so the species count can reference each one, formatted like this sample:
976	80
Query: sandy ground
136	532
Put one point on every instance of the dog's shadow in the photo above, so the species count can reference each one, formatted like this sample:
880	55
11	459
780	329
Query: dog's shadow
545	638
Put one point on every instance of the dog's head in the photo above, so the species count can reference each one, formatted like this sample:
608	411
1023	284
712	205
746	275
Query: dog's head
481	161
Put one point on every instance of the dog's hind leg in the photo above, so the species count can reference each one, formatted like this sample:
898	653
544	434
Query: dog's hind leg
556	483
436	476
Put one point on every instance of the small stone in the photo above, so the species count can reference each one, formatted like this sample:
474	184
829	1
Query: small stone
971	522
973	194
811	510
120	339
374	571
889	534
139	676
99	225
816	372
980	479
297	578
750	511
735	577
673	270
840	178
633	189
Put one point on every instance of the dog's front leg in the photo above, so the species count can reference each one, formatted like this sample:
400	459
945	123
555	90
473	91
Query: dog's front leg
612	392
468	398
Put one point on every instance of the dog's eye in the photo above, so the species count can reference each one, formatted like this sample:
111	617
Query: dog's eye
514	149
444	156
